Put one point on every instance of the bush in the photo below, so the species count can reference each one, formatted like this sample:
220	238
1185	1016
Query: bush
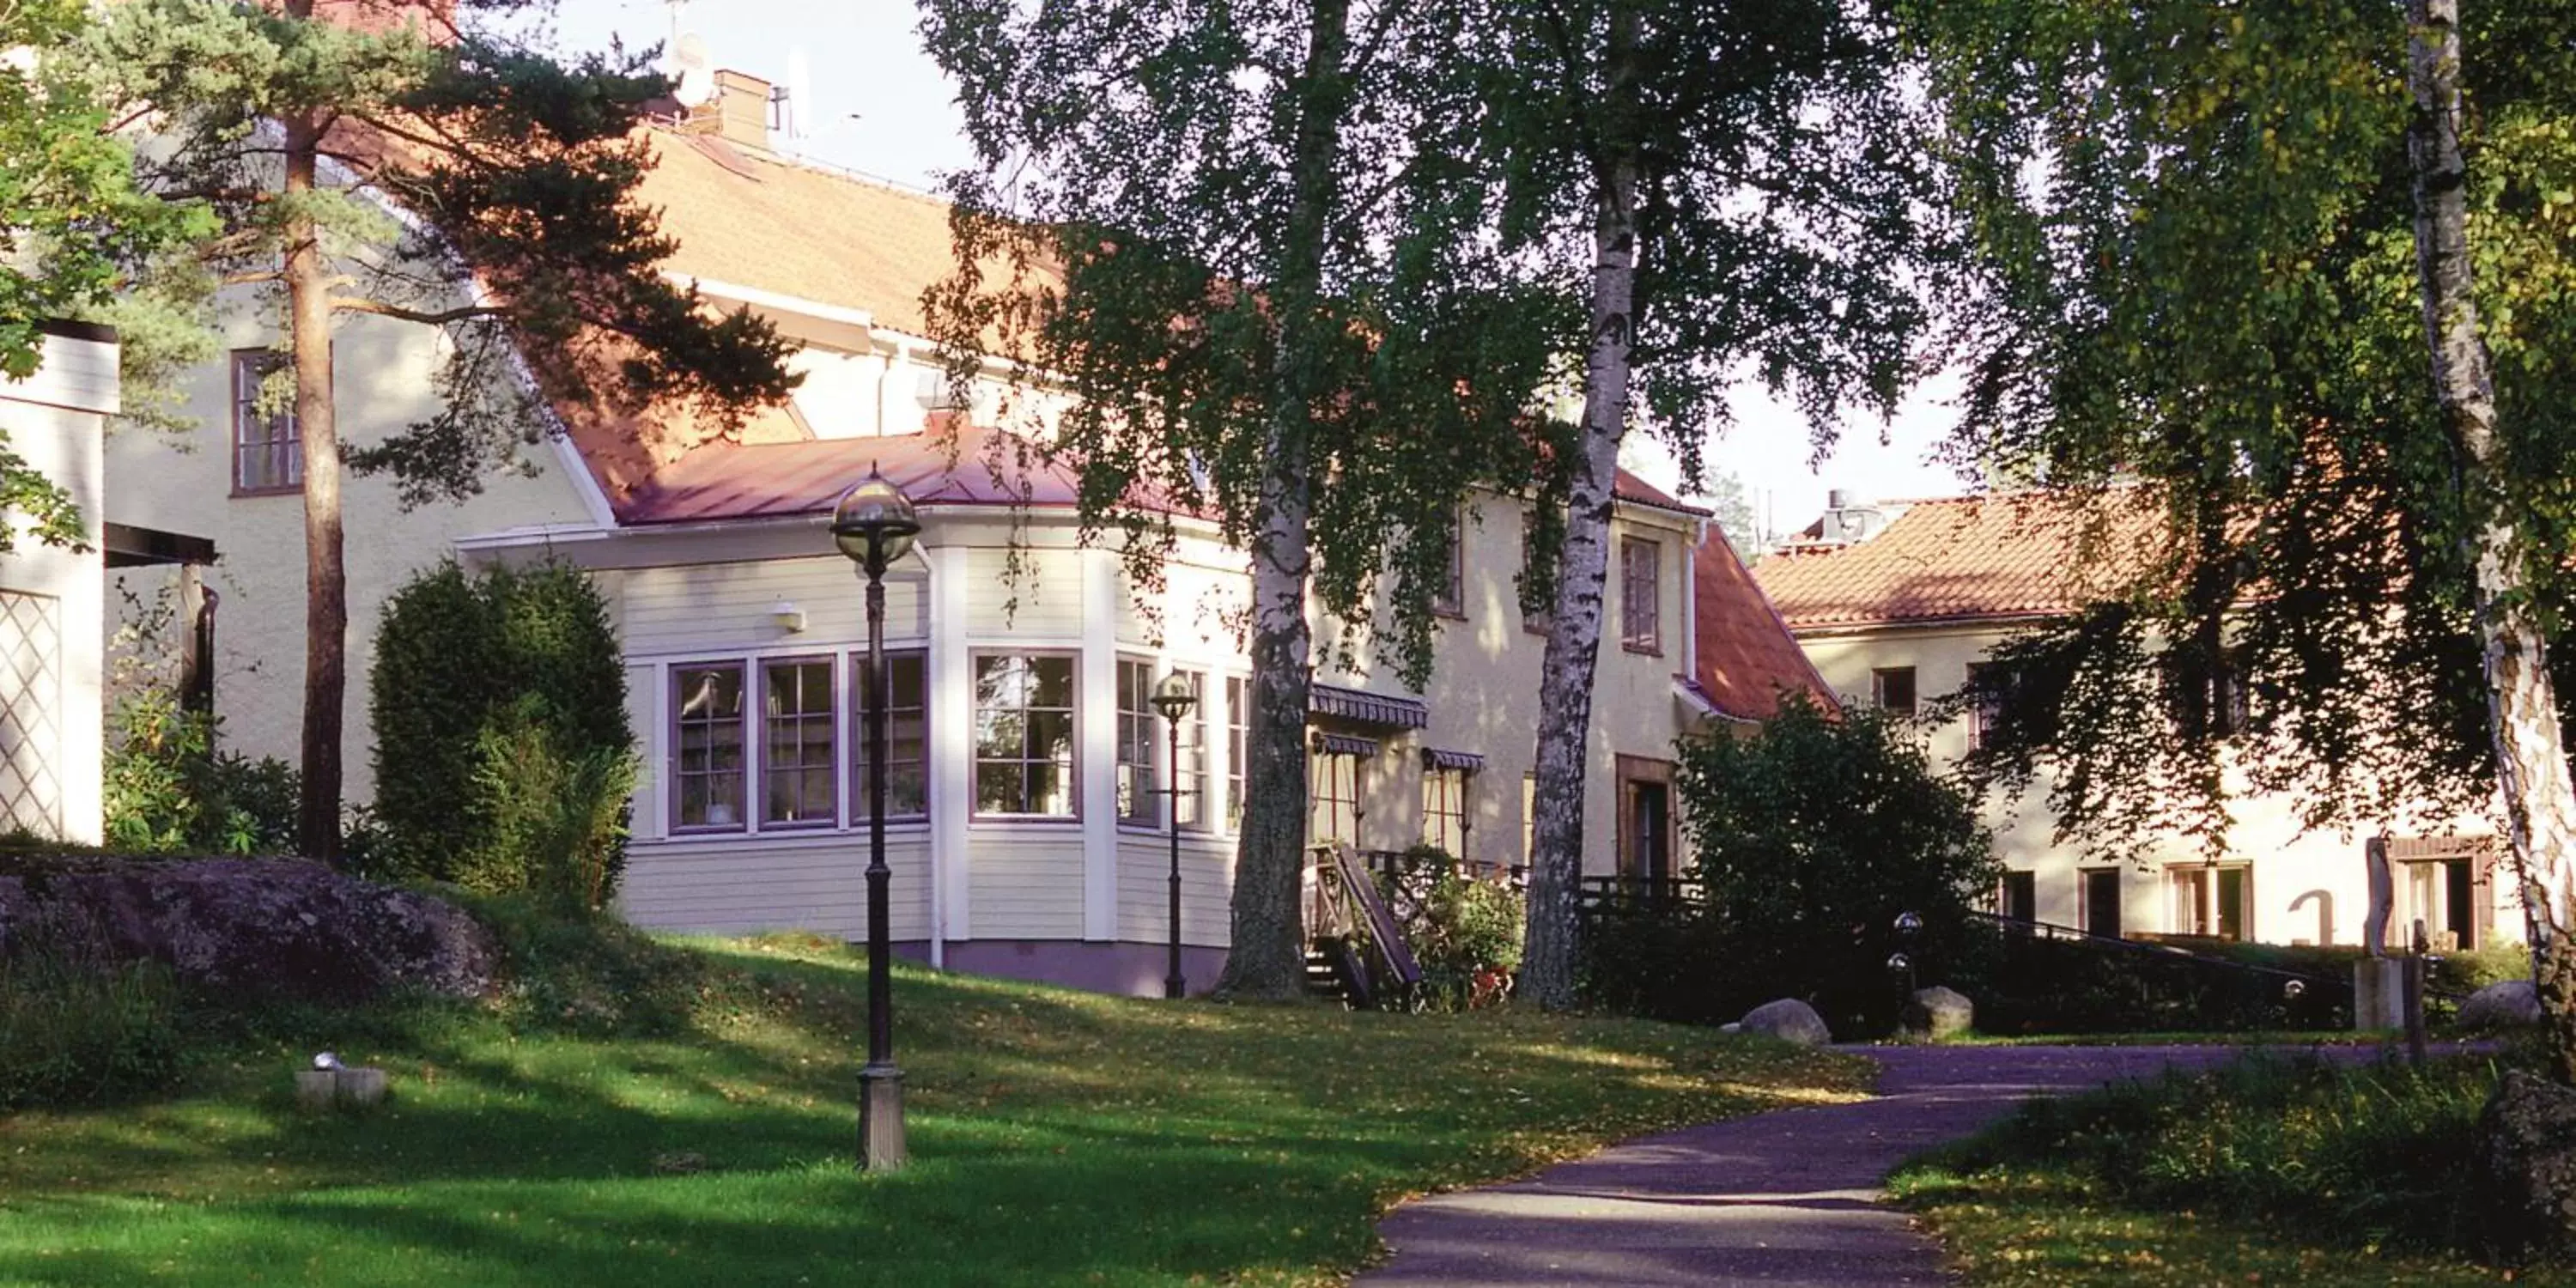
503	753
75	1030
2377	1154
1809	837
167	790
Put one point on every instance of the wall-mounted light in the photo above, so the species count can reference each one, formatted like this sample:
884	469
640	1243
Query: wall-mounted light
789	617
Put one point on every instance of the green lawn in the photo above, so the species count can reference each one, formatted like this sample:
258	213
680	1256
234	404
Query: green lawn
1058	1137
2269	1173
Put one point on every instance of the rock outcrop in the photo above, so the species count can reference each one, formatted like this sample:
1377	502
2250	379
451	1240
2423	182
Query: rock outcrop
1937	1014
275	927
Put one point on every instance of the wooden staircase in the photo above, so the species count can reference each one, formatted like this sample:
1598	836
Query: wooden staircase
1357	954
1335	973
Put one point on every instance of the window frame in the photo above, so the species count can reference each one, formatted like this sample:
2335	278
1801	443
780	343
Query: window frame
1194	759
1878	678
1449	599
2085	877
1238	749
975	762
1641	616
288	443
1535	619
744	772
830	715
1141	780
857	810
1320	775
2210	880
1460	781
1984	709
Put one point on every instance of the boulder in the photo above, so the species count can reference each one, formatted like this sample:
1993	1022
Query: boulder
2525	1151
1937	1014
2506	1004
287	928
1790	1020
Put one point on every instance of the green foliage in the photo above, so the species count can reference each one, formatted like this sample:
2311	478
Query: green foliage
76	1031
2213	296
72	227
504	756
1808	838
2376	1155
168	790
591	973
1465	931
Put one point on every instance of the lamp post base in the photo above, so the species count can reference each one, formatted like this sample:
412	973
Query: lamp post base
1175	988
881	1147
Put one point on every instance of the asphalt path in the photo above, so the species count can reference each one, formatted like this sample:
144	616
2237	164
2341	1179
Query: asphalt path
1789	1198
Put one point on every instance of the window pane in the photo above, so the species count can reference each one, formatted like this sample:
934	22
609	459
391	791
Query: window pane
907	734
796	776
707	731
1024	735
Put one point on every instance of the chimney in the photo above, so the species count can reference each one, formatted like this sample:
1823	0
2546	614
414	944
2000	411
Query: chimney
740	109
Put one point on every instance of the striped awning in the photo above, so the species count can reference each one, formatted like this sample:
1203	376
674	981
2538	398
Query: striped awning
1342	744
1367	708
1434	758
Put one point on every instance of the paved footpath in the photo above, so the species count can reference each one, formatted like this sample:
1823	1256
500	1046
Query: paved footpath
1788	1198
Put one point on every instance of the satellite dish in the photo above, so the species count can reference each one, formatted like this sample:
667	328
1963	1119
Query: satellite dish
693	71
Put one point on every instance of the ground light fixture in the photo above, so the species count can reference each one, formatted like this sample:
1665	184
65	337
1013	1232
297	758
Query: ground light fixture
1175	697
874	525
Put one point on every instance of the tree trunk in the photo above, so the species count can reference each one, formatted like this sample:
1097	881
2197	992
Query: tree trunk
2522	707
1583	567
326	608
1267	958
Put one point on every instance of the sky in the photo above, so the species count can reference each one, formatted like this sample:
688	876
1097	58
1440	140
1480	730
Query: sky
881	107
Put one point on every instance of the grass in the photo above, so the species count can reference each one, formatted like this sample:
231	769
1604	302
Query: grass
1058	1137
2268	1171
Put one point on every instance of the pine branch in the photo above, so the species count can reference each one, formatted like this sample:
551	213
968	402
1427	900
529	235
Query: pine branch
442	317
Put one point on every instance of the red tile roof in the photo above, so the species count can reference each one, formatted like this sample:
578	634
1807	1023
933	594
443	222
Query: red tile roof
1747	658
2016	555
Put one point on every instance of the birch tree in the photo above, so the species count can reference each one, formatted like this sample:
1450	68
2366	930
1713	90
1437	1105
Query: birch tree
2300	273
1739	188
390	163
1211	233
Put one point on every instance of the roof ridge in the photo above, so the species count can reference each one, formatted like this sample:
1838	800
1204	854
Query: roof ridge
825	169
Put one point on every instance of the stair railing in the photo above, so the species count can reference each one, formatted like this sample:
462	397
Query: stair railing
1350	902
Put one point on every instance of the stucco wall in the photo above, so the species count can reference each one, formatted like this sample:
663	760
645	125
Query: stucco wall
2308	887
381	374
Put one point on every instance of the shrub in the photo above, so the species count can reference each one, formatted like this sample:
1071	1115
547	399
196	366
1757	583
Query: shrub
1809	837
167	790
503	753
75	1030
2377	1154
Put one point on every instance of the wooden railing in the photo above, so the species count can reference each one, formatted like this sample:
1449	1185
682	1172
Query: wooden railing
1345	904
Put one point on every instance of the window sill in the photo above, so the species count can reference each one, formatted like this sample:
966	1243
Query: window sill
1651	650
253	493
1024	820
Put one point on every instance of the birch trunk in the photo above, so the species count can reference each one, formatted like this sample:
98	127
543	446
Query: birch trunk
1267	958
326	608
1574	636
2522	706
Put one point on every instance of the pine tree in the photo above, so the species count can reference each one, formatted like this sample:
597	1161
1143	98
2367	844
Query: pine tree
382	159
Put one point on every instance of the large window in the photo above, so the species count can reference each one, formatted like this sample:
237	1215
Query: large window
907	736
268	453
707	760
1536	588
1641	600
1444	809
797	768
2097	894
1450	599
2211	901
1024	735
1529	819
1138	739
1984	703
1336	791
1238	742
1190	777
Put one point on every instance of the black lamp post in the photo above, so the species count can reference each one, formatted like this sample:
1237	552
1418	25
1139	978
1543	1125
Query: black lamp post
1174	697
874	525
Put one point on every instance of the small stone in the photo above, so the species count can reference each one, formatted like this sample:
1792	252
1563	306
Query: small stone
1789	1020
2506	1004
